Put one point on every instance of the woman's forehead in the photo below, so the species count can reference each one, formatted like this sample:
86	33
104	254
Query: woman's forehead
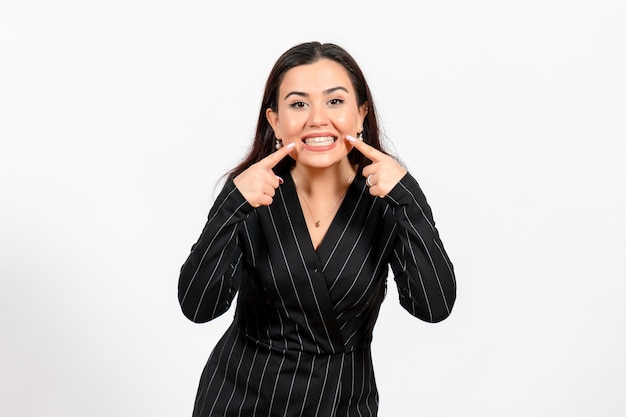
319	76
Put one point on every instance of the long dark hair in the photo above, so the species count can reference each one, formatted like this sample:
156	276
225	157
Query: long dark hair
304	54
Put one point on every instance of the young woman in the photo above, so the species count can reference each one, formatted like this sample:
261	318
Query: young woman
304	232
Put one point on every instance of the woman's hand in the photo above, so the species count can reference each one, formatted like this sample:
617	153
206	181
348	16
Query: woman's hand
258	183
383	173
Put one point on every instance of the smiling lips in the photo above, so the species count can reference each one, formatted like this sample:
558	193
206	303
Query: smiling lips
320	141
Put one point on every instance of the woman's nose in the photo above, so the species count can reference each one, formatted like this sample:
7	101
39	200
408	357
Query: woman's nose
318	116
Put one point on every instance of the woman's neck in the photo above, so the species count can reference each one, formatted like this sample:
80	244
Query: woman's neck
324	182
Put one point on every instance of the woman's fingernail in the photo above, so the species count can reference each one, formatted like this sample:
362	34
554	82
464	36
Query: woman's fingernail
351	139
291	145
280	180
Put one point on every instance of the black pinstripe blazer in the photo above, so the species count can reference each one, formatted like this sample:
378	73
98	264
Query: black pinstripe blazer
299	344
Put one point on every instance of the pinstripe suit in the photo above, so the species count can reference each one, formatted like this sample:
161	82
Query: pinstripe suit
299	344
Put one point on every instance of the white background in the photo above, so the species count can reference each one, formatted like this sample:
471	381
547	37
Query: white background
118	118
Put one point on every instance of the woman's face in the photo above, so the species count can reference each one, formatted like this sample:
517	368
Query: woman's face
317	108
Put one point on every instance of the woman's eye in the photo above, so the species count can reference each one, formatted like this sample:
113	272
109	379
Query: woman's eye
335	101
298	105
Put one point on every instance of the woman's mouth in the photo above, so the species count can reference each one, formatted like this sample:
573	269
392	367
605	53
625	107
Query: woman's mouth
320	141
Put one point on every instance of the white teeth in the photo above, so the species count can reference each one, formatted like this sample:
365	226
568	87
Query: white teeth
320	141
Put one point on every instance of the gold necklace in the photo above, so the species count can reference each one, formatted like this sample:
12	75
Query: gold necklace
319	221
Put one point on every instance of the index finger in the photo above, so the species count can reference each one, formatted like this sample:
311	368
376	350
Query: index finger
369	151
271	160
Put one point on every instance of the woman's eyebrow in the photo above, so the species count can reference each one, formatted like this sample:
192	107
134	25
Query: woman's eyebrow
295	93
332	90
325	92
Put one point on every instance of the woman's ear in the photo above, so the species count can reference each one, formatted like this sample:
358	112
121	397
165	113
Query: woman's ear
272	118
363	108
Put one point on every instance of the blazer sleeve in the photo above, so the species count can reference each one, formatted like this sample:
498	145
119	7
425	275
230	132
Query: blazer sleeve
210	277
422	270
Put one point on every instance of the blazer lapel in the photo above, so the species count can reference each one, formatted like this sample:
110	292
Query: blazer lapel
308	273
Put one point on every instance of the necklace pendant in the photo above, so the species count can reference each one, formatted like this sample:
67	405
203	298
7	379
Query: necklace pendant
317	223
